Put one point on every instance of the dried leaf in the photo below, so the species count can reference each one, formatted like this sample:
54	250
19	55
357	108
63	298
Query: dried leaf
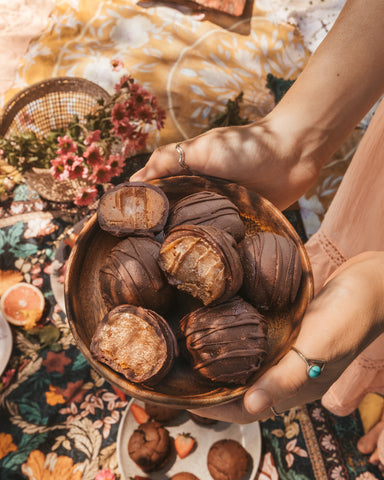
8	278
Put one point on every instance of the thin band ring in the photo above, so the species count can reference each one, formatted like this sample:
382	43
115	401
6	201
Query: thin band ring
314	367
275	412
181	160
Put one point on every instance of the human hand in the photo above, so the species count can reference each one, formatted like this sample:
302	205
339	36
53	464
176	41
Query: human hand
340	322
259	156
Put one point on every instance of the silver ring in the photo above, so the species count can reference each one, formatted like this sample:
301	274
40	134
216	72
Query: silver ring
275	412
181	160
314	367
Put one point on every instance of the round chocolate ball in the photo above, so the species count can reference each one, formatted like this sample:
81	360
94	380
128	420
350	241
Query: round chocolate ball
272	270
207	208
228	460
131	275
149	446
227	342
202	261
136	342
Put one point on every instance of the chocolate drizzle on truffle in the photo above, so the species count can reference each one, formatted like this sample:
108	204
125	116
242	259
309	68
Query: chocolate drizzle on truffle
272	270
207	208
227	342
131	275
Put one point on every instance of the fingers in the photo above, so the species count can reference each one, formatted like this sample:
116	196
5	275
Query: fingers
373	443
162	163
277	387
233	412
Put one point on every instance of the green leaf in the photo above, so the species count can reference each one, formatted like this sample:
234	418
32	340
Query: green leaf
79	363
47	335
15	233
3	241
27	444
24	250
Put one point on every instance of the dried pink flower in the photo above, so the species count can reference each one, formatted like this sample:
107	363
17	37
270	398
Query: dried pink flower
86	196
66	145
92	137
58	169
101	174
117	64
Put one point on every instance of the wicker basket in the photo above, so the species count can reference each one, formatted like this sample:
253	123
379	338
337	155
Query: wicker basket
50	105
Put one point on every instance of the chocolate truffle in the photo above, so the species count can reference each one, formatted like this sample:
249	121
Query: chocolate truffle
227	342
207	208
136	342
149	446
272	270
131	274
228	460
184	476
133	208
202	261
162	414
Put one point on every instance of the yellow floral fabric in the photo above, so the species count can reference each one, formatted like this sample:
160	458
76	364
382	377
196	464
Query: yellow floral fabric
192	63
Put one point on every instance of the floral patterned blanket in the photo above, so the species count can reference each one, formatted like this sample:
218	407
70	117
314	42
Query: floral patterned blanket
58	418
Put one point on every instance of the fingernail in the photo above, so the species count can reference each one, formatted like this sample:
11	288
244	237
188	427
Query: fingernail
256	401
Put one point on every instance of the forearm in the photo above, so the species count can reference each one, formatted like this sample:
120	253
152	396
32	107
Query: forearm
341	82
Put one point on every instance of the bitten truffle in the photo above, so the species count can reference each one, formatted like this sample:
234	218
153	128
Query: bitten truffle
149	446
207	208
202	261
272	270
131	275
133	208
228	460
227	342
135	342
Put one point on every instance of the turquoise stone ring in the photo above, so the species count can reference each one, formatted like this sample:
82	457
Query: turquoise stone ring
314	367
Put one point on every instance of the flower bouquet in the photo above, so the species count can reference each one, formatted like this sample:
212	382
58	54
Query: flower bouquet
91	149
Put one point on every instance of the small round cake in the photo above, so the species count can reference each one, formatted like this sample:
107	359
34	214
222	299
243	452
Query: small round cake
202	261
136	342
131	275
272	270
184	476
149	446
227	342
161	413
207	208
133	208
228	460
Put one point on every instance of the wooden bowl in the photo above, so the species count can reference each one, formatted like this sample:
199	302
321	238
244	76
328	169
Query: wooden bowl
182	387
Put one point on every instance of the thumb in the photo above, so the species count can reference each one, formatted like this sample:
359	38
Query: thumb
277	387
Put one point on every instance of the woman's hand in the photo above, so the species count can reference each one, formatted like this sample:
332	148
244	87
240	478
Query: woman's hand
259	156
340	322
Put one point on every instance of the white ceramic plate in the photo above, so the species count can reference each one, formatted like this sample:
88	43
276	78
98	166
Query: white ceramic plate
6	343
196	462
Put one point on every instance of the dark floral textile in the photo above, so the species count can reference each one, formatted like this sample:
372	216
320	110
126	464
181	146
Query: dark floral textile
59	419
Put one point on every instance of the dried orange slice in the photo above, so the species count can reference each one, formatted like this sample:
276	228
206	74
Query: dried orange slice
22	304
